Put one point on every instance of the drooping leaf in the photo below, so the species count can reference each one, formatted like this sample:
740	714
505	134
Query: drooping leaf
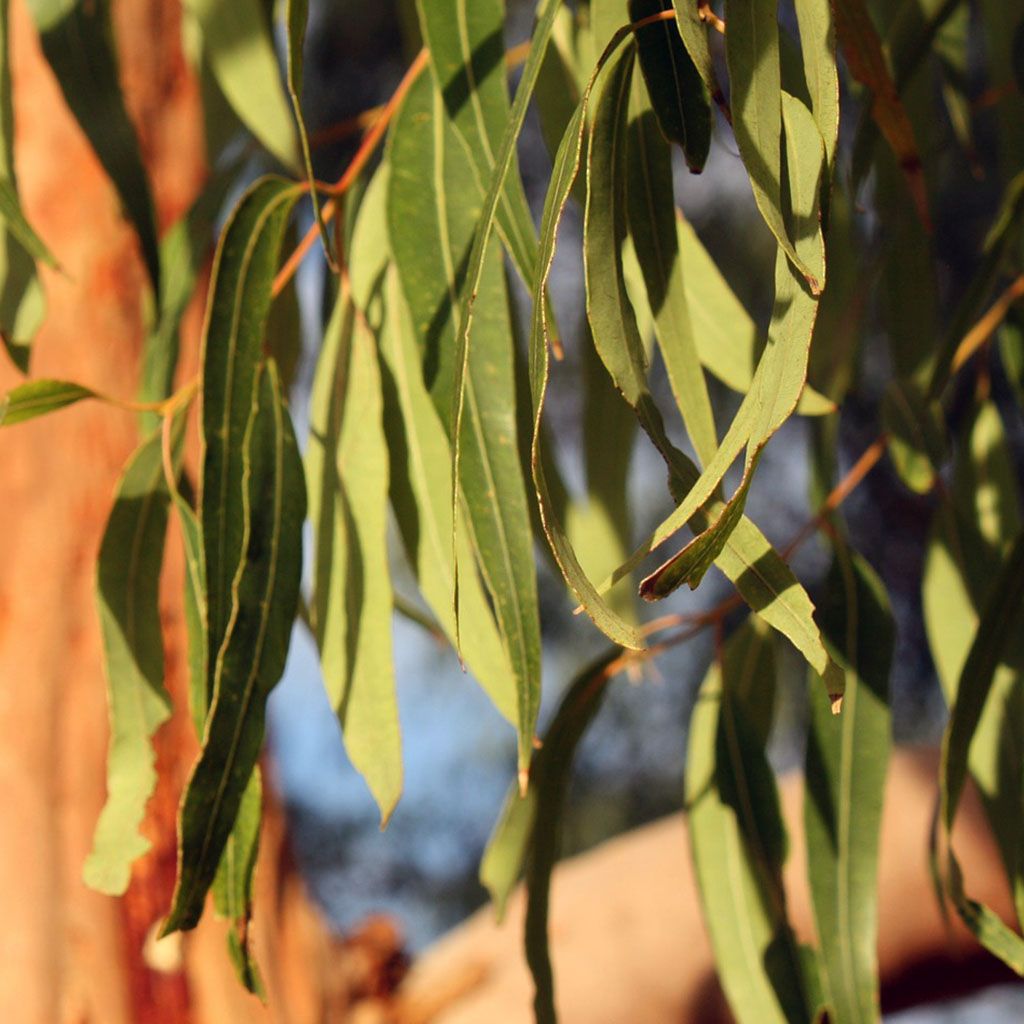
778	380
694	34
127	592
504	159
549	779
970	536
737	837
652	225
296	18
77	40
467	57
725	333
239	302
501	866
237	44
752	51
846	767
421	498
818	46
566	169
432	216
347	474
22	301
39	397
251	657
677	91
866	60
233	883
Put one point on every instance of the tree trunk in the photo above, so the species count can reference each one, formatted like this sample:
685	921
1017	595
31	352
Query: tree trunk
68	954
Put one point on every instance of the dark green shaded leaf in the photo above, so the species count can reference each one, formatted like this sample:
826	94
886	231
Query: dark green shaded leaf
250	660
847	758
127	592
737	836
652	226
678	94
238	46
694	34
430	241
39	397
296	18
752	50
467	56
237	311
347	474
77	40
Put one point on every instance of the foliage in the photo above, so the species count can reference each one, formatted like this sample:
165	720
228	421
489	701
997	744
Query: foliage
429	407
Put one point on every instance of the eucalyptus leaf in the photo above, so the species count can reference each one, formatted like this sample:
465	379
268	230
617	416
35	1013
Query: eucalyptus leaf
846	765
39	397
251	657
676	88
347	474
127	592
237	44
737	836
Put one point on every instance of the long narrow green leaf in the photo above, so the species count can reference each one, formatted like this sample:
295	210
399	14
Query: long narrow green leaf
296	17
1001	621
566	169
77	39
15	222
233	884
475	264
237	309
549	780
652	225
737	837
430	241
250	660
846	766
421	498
694	34
347	474
752	51
237	44
127	591
677	90
778	381
818	46
39	397
467	57
725	333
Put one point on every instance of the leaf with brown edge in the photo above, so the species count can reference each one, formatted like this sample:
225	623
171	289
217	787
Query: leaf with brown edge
250	660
